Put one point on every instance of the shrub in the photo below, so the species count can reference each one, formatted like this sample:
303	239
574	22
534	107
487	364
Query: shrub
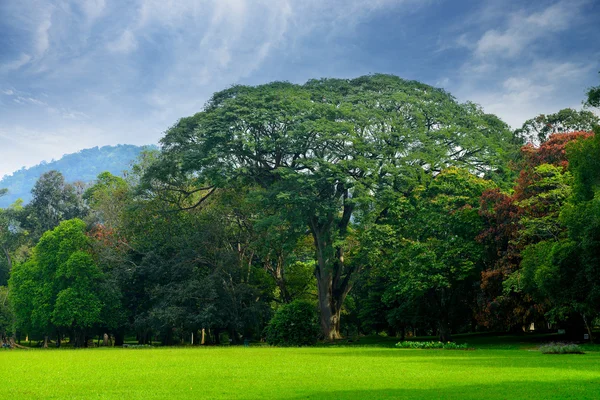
294	324
432	345
561	348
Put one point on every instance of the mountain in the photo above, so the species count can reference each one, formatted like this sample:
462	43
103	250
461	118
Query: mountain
84	165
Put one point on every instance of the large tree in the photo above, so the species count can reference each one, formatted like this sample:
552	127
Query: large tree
321	150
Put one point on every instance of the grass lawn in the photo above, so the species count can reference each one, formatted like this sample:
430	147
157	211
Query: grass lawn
297	373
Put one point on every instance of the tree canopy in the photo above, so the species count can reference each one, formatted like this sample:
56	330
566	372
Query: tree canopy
322	151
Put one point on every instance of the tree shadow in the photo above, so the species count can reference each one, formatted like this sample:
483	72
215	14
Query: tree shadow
564	389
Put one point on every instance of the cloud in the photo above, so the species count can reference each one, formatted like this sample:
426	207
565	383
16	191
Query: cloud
94	72
15	64
42	37
508	70
524	29
540	88
124	71
126	43
92	8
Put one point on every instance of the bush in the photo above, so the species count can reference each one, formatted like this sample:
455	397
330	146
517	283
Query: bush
561	348
294	324
432	345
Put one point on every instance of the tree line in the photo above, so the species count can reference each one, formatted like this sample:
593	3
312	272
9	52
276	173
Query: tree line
384	204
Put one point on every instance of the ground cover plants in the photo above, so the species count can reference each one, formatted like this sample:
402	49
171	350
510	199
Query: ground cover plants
432	345
561	348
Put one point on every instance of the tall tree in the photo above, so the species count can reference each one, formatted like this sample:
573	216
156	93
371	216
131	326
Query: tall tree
323	148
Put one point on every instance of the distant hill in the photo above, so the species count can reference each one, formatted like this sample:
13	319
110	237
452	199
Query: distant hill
84	165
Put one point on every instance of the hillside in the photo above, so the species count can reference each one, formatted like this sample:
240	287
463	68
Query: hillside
84	165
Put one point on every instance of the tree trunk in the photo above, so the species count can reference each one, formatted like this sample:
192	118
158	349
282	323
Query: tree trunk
333	279
8	258
119	338
329	309
588	328
45	342
444	331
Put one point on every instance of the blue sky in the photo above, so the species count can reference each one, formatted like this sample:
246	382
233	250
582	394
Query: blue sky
81	73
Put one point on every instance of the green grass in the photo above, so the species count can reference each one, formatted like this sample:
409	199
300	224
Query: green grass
297	373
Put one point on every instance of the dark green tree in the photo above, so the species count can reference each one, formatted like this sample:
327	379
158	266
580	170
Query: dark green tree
426	249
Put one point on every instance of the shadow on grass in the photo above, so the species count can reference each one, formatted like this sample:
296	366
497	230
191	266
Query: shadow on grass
571	389
464	359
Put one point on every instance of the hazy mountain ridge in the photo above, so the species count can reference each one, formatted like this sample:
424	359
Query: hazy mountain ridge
85	165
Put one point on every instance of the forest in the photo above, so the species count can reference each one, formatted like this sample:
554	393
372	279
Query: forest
292	213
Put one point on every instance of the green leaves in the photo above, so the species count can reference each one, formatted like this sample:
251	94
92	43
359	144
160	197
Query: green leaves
60	286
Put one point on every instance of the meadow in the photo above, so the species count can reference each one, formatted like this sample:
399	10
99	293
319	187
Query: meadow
513	370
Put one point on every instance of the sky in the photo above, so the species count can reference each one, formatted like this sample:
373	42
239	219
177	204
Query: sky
76	74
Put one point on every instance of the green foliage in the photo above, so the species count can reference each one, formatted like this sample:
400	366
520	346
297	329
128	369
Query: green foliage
537	130
12	237
432	345
323	150
6	314
53	201
561	348
425	260
60	286
108	198
294	324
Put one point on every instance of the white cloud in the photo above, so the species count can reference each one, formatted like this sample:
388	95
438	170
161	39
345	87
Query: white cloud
507	71
126	43
523	30
15	64
92	8
531	90
93	59
42	42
